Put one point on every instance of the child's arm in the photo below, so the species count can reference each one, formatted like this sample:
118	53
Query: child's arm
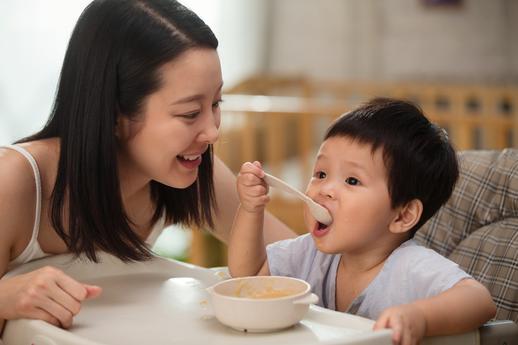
464	307
246	249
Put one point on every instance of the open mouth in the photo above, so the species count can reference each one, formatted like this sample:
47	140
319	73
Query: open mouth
320	229
190	161
188	157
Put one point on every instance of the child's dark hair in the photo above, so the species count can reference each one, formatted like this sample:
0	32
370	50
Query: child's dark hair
420	161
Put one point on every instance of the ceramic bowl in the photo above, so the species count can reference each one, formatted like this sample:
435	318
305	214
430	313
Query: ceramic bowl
261	304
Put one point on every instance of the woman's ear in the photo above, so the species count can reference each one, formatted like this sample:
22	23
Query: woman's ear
118	127
126	127
122	127
406	217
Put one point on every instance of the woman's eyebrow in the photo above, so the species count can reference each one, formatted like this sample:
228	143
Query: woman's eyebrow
193	98
188	99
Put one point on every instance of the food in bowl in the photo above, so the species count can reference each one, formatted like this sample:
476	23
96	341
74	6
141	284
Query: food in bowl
245	289
261	304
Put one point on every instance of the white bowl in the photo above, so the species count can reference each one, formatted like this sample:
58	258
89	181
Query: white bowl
261	304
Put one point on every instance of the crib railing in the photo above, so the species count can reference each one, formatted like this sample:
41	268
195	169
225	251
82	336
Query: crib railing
281	121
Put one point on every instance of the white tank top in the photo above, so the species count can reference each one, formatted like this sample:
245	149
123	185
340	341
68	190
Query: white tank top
33	250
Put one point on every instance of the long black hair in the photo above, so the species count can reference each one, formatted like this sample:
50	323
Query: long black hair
420	161
111	65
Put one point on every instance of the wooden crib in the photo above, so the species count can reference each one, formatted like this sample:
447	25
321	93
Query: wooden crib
281	122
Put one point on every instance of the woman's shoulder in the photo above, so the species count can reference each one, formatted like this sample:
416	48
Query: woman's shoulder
18	187
17	196
17	179
16	172
16	175
45	153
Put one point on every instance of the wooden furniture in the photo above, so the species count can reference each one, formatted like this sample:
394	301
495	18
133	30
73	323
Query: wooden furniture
281	122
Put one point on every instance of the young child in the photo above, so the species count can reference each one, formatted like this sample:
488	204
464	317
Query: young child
382	171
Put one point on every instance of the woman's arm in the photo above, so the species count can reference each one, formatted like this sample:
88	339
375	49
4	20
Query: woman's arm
228	202
45	294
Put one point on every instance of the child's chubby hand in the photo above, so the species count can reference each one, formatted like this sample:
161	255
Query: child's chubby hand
407	322
252	190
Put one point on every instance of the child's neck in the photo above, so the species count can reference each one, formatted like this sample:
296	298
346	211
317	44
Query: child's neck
357	270
367	259
364	262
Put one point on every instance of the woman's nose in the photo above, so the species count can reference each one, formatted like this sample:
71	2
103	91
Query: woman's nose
210	131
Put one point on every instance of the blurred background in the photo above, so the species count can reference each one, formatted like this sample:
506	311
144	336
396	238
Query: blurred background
292	66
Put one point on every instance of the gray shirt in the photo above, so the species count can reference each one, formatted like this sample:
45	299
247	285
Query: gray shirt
411	272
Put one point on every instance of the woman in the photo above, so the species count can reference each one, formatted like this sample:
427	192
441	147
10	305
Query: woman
126	151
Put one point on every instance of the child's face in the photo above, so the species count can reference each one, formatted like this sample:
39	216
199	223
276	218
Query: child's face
351	182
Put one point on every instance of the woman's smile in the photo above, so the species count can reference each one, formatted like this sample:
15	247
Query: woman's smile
191	162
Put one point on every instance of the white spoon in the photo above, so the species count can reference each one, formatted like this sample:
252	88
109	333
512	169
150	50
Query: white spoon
318	211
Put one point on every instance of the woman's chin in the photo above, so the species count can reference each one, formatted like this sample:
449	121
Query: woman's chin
185	185
180	182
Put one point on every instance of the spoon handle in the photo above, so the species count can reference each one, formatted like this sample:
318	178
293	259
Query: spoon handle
318	211
278	183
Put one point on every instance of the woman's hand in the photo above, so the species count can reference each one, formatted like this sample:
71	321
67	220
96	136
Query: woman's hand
46	294
252	190
407	322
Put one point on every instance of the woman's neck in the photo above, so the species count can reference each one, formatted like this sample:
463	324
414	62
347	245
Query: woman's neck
132	182
135	194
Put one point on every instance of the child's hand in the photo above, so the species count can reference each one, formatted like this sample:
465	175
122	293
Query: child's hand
407	322
252	190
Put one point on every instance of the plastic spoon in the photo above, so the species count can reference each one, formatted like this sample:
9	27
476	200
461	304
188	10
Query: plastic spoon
318	211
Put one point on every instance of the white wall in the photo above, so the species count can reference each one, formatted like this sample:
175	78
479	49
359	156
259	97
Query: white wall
240	28
396	40
34	35
337	39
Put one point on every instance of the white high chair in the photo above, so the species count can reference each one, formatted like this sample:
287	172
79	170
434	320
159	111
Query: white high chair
164	301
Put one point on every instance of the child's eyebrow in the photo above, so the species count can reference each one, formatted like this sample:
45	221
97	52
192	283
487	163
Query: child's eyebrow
321	156
356	165
347	163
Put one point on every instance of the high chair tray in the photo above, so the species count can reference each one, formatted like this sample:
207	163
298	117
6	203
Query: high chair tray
164	301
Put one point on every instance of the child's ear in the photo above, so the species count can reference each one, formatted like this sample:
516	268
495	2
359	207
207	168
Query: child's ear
406	217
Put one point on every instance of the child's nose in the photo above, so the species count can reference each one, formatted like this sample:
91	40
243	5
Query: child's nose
328	190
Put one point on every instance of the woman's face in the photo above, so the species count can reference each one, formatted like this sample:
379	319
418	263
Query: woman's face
177	124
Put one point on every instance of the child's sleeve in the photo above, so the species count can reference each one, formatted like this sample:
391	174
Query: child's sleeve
434	273
292	257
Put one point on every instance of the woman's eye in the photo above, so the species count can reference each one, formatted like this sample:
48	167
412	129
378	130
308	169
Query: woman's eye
217	103
190	116
320	174
352	181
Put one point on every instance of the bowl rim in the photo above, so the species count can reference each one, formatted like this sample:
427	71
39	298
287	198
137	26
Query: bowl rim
259	300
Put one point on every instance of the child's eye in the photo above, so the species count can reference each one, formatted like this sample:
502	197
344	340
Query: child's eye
353	181
320	175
